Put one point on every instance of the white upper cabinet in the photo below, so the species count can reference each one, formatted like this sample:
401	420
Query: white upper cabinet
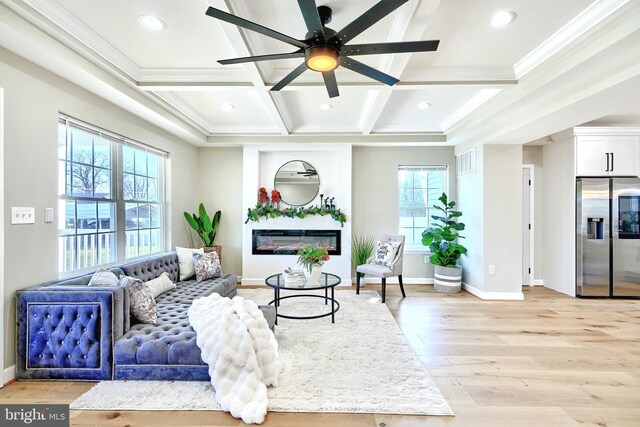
607	155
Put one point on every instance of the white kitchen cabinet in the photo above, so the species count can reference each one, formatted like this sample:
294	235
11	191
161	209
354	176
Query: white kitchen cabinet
607	155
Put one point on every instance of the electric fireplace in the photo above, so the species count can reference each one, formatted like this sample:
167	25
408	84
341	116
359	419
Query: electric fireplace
287	242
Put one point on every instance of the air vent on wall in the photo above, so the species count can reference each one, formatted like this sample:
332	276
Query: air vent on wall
466	163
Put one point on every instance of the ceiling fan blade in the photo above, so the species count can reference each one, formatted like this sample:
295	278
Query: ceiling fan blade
367	19
312	18
257	58
399	47
290	77
331	83
365	70
235	20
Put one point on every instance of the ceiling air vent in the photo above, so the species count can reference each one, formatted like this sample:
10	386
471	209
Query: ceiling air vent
466	163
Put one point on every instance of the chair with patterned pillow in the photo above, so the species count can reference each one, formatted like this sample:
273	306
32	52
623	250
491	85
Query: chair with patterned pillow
385	262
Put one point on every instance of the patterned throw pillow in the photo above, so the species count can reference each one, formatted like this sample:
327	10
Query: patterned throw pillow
142	304
385	253
207	266
103	277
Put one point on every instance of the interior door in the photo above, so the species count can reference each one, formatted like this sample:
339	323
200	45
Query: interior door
526	226
593	237
626	237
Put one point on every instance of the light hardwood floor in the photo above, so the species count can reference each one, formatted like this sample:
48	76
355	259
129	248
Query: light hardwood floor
550	360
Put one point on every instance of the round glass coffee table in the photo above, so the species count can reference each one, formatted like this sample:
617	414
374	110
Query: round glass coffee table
327	281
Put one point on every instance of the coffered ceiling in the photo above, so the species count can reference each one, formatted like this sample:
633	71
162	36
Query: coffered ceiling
177	67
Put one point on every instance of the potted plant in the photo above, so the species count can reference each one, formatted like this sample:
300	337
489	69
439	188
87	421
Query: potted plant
441	239
361	249
311	259
207	228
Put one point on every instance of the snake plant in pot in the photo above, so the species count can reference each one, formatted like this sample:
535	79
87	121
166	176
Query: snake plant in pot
207	228
441	238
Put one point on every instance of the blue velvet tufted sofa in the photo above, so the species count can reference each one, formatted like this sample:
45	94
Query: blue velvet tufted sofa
67	330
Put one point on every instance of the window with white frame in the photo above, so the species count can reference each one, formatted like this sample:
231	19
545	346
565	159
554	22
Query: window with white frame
110	197
418	190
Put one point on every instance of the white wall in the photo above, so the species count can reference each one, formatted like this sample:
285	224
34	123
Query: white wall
33	99
220	188
558	213
375	195
533	155
502	206
470	191
260	164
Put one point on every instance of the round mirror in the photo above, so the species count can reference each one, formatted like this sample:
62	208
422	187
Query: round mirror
297	182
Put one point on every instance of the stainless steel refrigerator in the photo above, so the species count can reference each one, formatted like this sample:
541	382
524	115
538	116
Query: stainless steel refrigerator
608	237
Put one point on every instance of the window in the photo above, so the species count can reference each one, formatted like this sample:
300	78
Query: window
111	204
419	188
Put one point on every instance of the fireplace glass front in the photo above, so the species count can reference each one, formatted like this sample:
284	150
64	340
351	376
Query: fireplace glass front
287	242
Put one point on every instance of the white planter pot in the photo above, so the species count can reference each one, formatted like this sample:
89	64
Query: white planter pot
447	279
313	276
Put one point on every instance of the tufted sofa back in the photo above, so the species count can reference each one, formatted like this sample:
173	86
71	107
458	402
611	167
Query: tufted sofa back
149	269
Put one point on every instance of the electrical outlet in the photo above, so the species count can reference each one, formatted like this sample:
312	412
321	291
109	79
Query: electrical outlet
23	215
492	269
426	259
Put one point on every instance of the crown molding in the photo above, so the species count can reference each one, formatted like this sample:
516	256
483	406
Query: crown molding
607	130
471	105
585	21
67	28
192	75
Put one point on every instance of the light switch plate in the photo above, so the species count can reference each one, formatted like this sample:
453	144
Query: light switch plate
48	215
23	215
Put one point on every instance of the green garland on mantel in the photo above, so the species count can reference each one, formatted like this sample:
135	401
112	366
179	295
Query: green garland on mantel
270	211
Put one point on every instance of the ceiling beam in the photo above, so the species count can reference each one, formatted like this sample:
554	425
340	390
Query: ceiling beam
293	87
241	48
409	24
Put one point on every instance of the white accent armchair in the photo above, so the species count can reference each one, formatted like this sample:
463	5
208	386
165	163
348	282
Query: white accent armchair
383	271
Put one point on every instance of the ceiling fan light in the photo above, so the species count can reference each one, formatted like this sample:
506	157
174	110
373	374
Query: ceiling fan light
322	58
503	18
152	23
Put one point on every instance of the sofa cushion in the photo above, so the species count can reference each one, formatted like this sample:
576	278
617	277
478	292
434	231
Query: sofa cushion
172	341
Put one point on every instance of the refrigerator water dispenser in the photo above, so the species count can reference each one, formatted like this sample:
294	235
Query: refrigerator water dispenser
595	228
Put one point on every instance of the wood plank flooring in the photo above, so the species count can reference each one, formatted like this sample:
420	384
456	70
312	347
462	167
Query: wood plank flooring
550	360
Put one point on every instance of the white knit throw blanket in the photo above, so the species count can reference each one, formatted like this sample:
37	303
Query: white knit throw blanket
241	352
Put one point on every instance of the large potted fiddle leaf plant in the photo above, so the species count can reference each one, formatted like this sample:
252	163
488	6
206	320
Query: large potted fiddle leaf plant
207	228
442	239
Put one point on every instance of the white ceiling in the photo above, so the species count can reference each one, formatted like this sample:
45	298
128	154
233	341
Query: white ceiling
178	67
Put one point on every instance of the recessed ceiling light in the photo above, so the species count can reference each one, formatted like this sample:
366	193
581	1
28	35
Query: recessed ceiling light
228	107
324	106
152	23
503	18
423	106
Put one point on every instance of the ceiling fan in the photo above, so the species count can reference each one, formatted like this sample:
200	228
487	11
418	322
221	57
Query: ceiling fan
324	49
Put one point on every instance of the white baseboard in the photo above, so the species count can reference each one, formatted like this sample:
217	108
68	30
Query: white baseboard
258	282
9	374
505	296
538	283
405	280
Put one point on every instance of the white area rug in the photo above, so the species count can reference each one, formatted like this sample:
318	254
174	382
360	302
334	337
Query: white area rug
361	364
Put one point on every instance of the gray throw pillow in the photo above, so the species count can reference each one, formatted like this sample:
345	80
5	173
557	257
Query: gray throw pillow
207	266
142	304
